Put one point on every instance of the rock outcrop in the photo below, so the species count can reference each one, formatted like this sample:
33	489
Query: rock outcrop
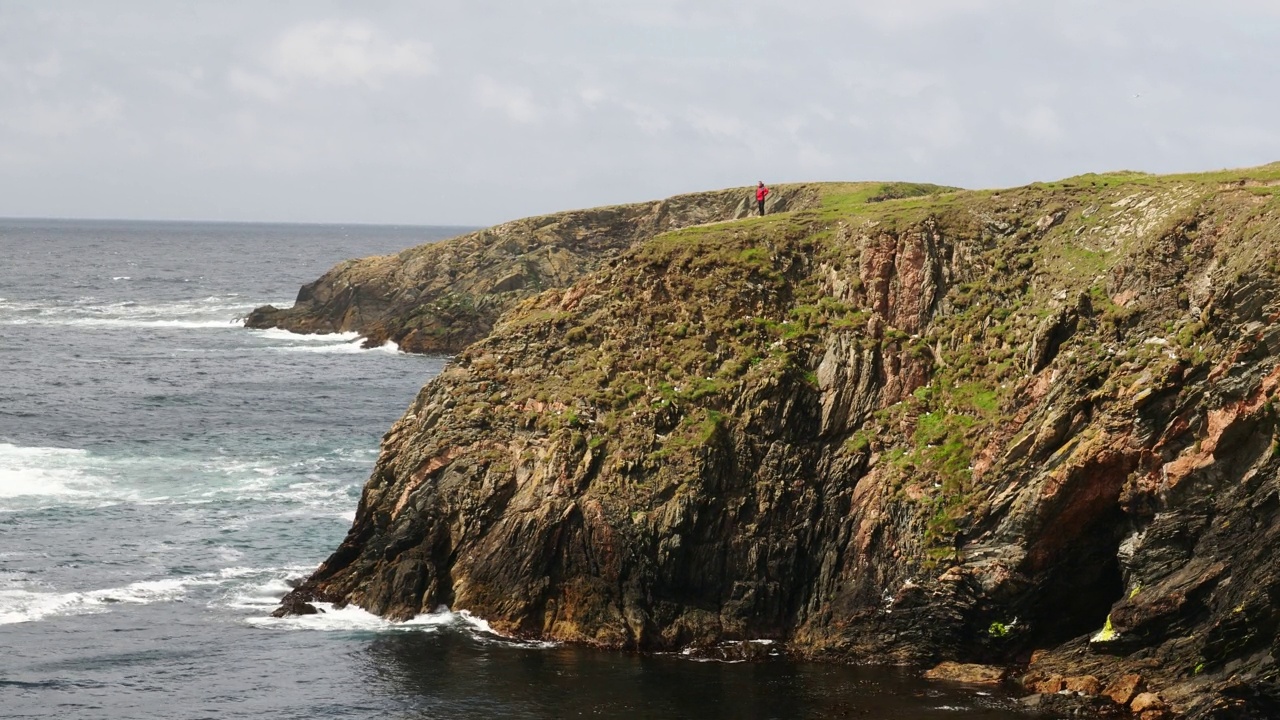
443	296
1031	427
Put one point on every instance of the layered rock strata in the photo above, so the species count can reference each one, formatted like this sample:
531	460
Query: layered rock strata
990	426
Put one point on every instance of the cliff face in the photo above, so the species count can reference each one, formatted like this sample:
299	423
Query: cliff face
441	297
966	426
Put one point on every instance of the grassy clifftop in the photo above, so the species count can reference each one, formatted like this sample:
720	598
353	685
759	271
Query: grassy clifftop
441	297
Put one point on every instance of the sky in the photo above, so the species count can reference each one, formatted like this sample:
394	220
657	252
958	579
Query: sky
472	112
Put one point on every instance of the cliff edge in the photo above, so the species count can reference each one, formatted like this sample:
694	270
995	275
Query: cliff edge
442	296
1033	426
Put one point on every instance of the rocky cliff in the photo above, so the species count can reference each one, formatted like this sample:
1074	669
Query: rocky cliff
1032	426
441	297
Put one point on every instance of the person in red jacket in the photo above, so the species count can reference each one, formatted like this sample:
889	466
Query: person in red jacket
761	193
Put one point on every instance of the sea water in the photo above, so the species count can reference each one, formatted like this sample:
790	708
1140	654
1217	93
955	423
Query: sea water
165	472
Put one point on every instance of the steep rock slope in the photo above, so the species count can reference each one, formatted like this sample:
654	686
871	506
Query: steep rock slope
967	426
441	297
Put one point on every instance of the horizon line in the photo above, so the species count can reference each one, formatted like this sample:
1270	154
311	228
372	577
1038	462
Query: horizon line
189	221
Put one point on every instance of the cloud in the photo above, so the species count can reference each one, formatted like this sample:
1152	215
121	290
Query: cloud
514	101
183	82
297	110
875	78
650	120
332	52
254	85
905	14
719	125
49	67
591	97
1039	123
64	118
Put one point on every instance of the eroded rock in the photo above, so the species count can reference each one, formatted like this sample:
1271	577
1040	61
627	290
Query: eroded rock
1125	688
967	673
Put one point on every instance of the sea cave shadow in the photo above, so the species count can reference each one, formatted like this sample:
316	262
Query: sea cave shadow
451	674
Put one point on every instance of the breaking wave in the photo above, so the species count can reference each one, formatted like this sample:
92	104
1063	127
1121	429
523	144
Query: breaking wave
27	472
343	348
314	485
219	311
20	601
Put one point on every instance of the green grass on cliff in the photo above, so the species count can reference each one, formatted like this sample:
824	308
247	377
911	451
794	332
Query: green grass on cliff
850	196
691	322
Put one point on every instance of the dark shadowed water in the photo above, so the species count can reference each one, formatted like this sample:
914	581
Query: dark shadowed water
164	471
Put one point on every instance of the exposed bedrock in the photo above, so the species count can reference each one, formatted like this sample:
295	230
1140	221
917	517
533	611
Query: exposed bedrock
1033	427
442	296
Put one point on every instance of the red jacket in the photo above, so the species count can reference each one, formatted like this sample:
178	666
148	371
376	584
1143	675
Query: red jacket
761	192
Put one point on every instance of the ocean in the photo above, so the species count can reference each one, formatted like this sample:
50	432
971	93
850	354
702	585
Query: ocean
164	474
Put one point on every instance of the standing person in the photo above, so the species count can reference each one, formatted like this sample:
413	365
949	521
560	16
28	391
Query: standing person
761	193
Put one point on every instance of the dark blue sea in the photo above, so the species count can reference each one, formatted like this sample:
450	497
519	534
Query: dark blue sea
165	472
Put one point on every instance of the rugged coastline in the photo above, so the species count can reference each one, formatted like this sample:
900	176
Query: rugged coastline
1032	427
441	297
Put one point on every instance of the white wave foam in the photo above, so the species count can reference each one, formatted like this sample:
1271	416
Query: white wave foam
38	477
29	606
228	553
476	623
18	606
127	323
352	618
316	484
481	630
209	312
149	591
344	348
279	334
695	655
262	597
257	590
260	590
21	604
44	471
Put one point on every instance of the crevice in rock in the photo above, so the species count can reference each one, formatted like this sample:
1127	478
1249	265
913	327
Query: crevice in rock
1078	591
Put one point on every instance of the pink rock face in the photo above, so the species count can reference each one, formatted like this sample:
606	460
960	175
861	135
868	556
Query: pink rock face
968	674
899	272
1082	685
1125	688
1149	706
1051	683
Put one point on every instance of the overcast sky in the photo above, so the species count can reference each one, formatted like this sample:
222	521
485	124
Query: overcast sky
478	111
